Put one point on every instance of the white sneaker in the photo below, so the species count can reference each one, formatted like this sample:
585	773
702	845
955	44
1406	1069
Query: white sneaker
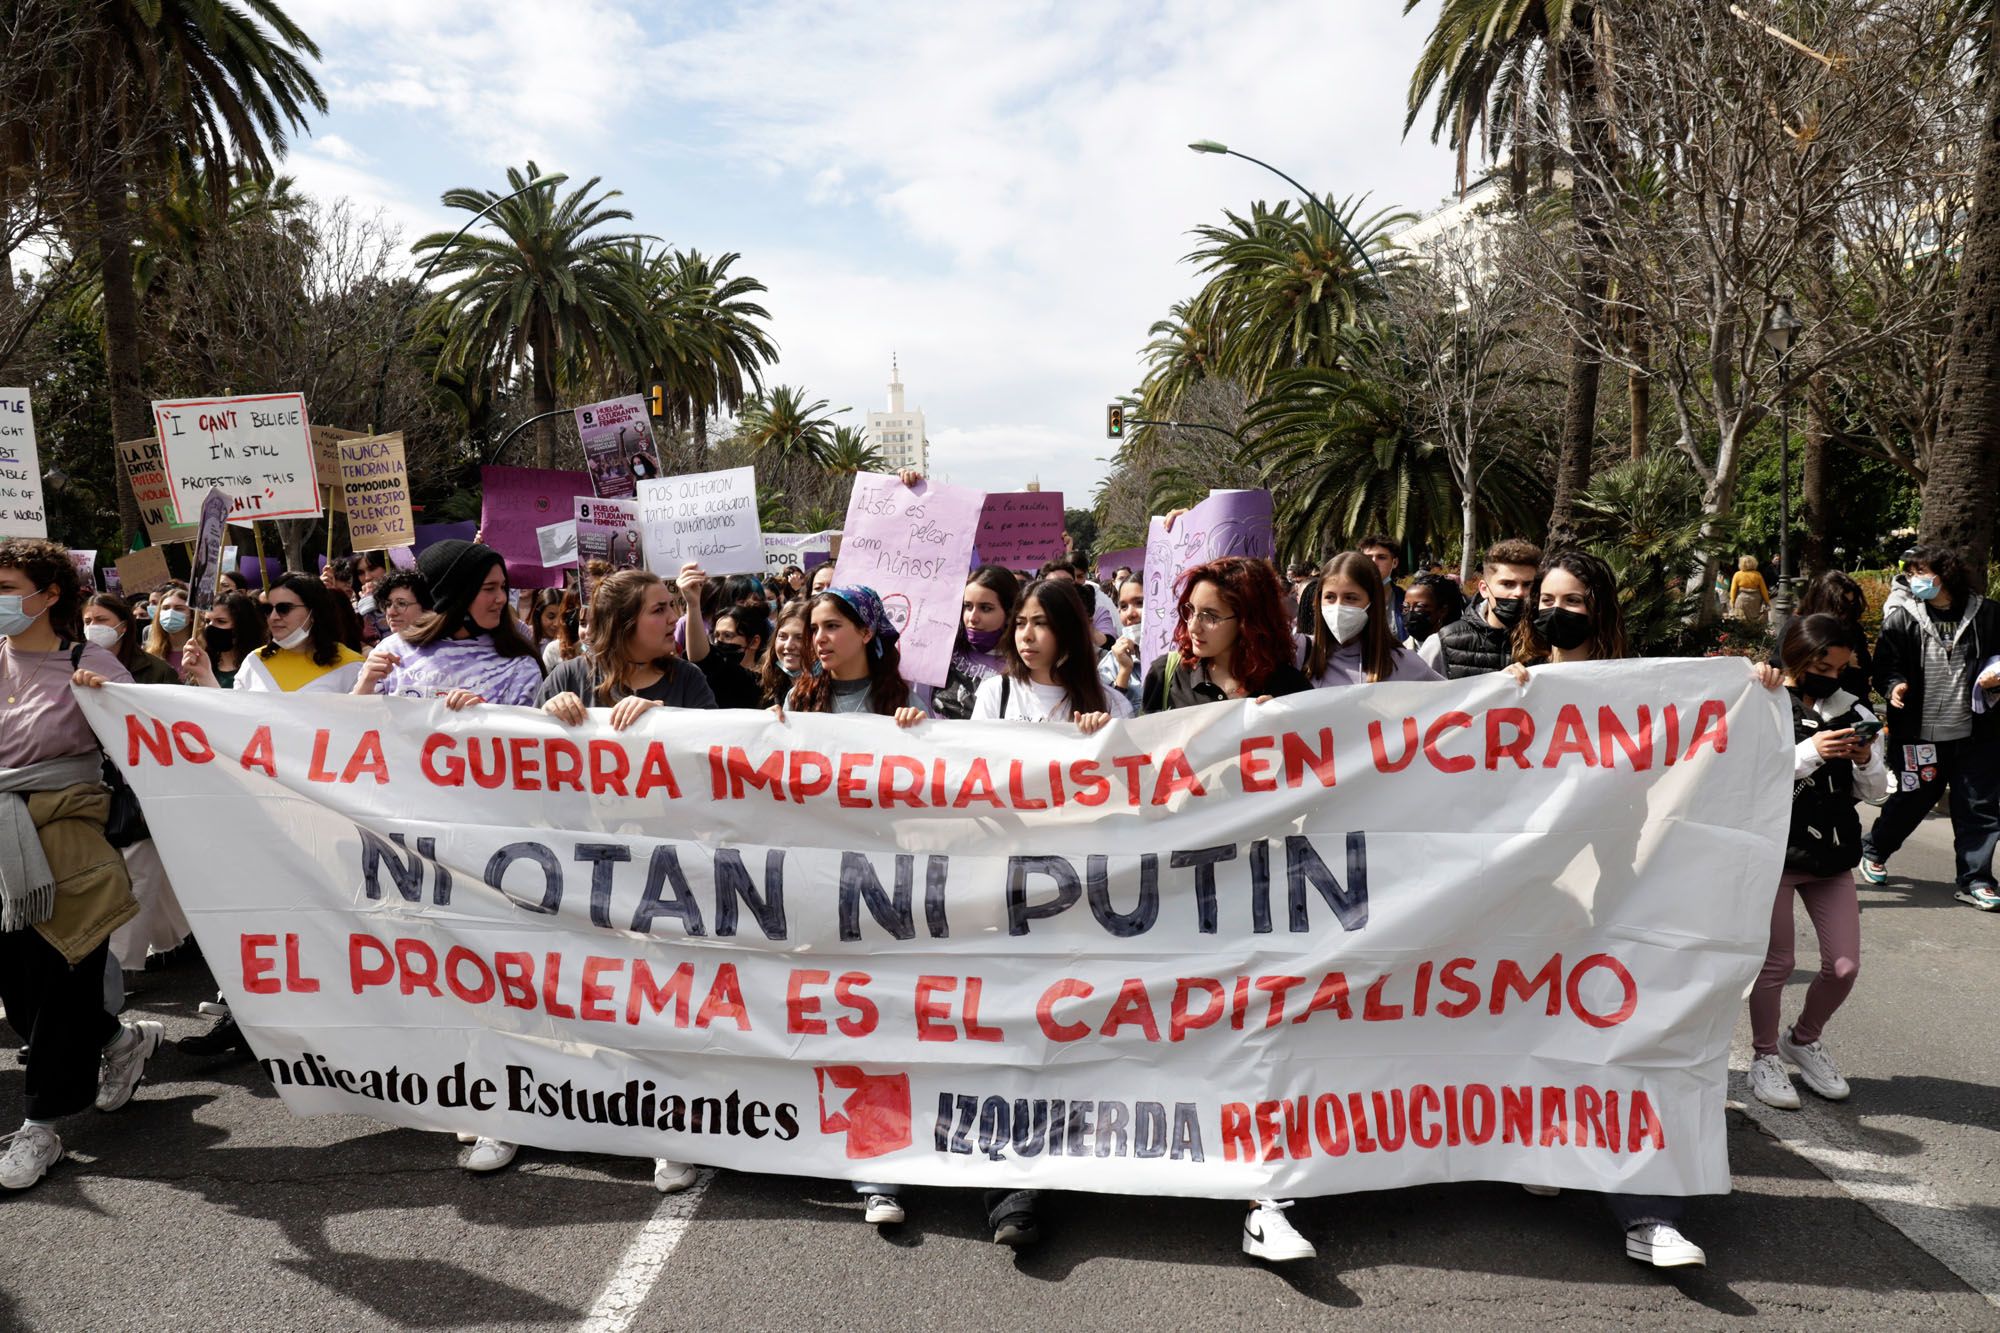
1662	1246
468	1138
34	1149
1815	1067
671	1177
488	1155
1771	1084
123	1063
883	1210
1269	1234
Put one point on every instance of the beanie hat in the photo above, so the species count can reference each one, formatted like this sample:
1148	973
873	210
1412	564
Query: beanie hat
454	569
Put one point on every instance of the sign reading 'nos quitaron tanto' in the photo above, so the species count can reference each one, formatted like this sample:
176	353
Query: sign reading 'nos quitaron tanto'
1221	951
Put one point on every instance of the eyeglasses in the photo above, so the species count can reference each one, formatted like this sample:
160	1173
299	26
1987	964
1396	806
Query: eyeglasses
282	608
1203	619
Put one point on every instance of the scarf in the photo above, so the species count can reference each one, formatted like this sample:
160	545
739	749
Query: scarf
27	885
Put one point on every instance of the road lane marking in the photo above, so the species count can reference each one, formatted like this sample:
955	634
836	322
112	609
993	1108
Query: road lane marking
644	1260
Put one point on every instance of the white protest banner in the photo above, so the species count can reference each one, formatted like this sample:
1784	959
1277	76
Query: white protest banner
22	512
558	544
256	447
782	549
1229	951
913	548
707	517
141	461
608	530
1226	523
375	481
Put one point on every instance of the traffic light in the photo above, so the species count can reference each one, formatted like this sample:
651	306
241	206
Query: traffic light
656	401
1114	422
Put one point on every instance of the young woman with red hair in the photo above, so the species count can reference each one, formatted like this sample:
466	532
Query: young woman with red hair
1233	640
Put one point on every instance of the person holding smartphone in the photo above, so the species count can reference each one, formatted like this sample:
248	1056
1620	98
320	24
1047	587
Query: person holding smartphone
1836	763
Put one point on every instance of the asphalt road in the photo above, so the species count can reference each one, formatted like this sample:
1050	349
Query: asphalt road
206	1205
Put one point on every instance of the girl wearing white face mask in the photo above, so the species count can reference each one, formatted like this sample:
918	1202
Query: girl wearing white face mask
108	623
305	652
1353	640
173	623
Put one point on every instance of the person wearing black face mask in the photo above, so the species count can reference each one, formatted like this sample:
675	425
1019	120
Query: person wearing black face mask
735	644
1835	594
1431	602
1480	640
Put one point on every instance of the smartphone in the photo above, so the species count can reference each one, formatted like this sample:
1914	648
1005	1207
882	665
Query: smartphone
1866	732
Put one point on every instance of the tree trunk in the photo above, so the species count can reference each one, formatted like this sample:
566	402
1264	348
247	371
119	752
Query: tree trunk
124	360
1468	535
700	439
1817	553
1964	478
1639	388
1589	147
544	398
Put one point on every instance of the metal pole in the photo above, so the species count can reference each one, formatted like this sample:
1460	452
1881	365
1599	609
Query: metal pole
508	438
1785	498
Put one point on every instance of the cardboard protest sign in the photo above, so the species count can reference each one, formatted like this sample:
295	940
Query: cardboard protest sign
326	463
1020	529
22	512
557	543
1226	523
707	517
519	500
913	548
618	448
376	481
207	563
256	447
609	530
142	571
141	461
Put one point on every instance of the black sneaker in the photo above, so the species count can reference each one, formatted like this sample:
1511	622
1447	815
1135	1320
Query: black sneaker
1016	1230
223	1038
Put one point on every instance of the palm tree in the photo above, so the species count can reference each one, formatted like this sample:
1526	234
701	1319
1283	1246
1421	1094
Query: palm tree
780	422
1487	62
552	289
718	349
148	83
850	452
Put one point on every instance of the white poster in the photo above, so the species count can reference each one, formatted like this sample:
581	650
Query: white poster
706	517
558	544
258	448
22	513
1347	940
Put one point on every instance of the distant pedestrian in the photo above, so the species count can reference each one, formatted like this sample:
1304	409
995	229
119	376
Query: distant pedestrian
1748	597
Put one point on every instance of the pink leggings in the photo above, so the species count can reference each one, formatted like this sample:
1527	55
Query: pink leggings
1836	918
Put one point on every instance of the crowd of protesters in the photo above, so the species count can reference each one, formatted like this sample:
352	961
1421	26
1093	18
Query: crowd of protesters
83	898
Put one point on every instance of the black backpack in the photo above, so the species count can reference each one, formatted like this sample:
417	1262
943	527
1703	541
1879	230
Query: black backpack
1825	837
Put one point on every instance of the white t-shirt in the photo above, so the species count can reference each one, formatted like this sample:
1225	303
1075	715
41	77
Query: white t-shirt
1027	702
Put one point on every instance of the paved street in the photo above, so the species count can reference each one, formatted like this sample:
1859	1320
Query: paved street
205	1205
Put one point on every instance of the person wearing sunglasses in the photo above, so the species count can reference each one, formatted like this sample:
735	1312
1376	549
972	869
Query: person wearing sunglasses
305	652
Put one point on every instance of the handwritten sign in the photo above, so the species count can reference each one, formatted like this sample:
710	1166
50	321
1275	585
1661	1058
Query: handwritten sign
618	446
1226	523
1020	529
141	461
516	502
326	463
708	517
258	448
142	571
22	513
913	548
609	530
376	480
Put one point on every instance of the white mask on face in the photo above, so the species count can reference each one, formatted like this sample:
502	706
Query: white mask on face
1345	623
104	636
298	636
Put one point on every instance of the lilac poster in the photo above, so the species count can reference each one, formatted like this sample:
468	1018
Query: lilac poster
518	502
608	530
1132	558
1020	529
618	446
430	534
1226	523
913	548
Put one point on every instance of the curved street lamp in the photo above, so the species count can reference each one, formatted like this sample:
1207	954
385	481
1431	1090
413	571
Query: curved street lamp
1211	146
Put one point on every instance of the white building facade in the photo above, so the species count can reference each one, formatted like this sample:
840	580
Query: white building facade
898	434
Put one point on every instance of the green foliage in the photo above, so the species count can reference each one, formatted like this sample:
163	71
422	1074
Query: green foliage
713	348
1081	527
782	423
849	452
1645	518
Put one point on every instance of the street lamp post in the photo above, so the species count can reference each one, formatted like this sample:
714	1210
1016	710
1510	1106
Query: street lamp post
417	290
501	449
1211	146
1781	328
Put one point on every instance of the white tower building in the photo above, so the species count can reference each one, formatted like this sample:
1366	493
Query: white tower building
898	434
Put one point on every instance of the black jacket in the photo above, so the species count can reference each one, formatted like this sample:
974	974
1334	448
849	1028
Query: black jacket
1899	659
1469	646
1190	685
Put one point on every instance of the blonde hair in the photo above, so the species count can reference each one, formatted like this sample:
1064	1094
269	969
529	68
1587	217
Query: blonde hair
1746	563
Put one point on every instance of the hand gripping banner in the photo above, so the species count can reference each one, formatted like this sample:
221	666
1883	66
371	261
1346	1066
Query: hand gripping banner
1346	940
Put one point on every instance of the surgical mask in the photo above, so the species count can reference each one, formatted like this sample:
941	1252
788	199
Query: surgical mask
1563	628
365	607
173	622
1923	587
1507	610
1129	631
1419	624
1817	687
13	620
104	636
1345	623
298	636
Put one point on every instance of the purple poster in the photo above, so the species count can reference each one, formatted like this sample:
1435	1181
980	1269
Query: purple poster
617	446
519	500
1020	529
430	534
608	530
913	548
1226	523
1132	558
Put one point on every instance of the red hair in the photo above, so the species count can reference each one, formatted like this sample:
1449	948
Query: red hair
1263	635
